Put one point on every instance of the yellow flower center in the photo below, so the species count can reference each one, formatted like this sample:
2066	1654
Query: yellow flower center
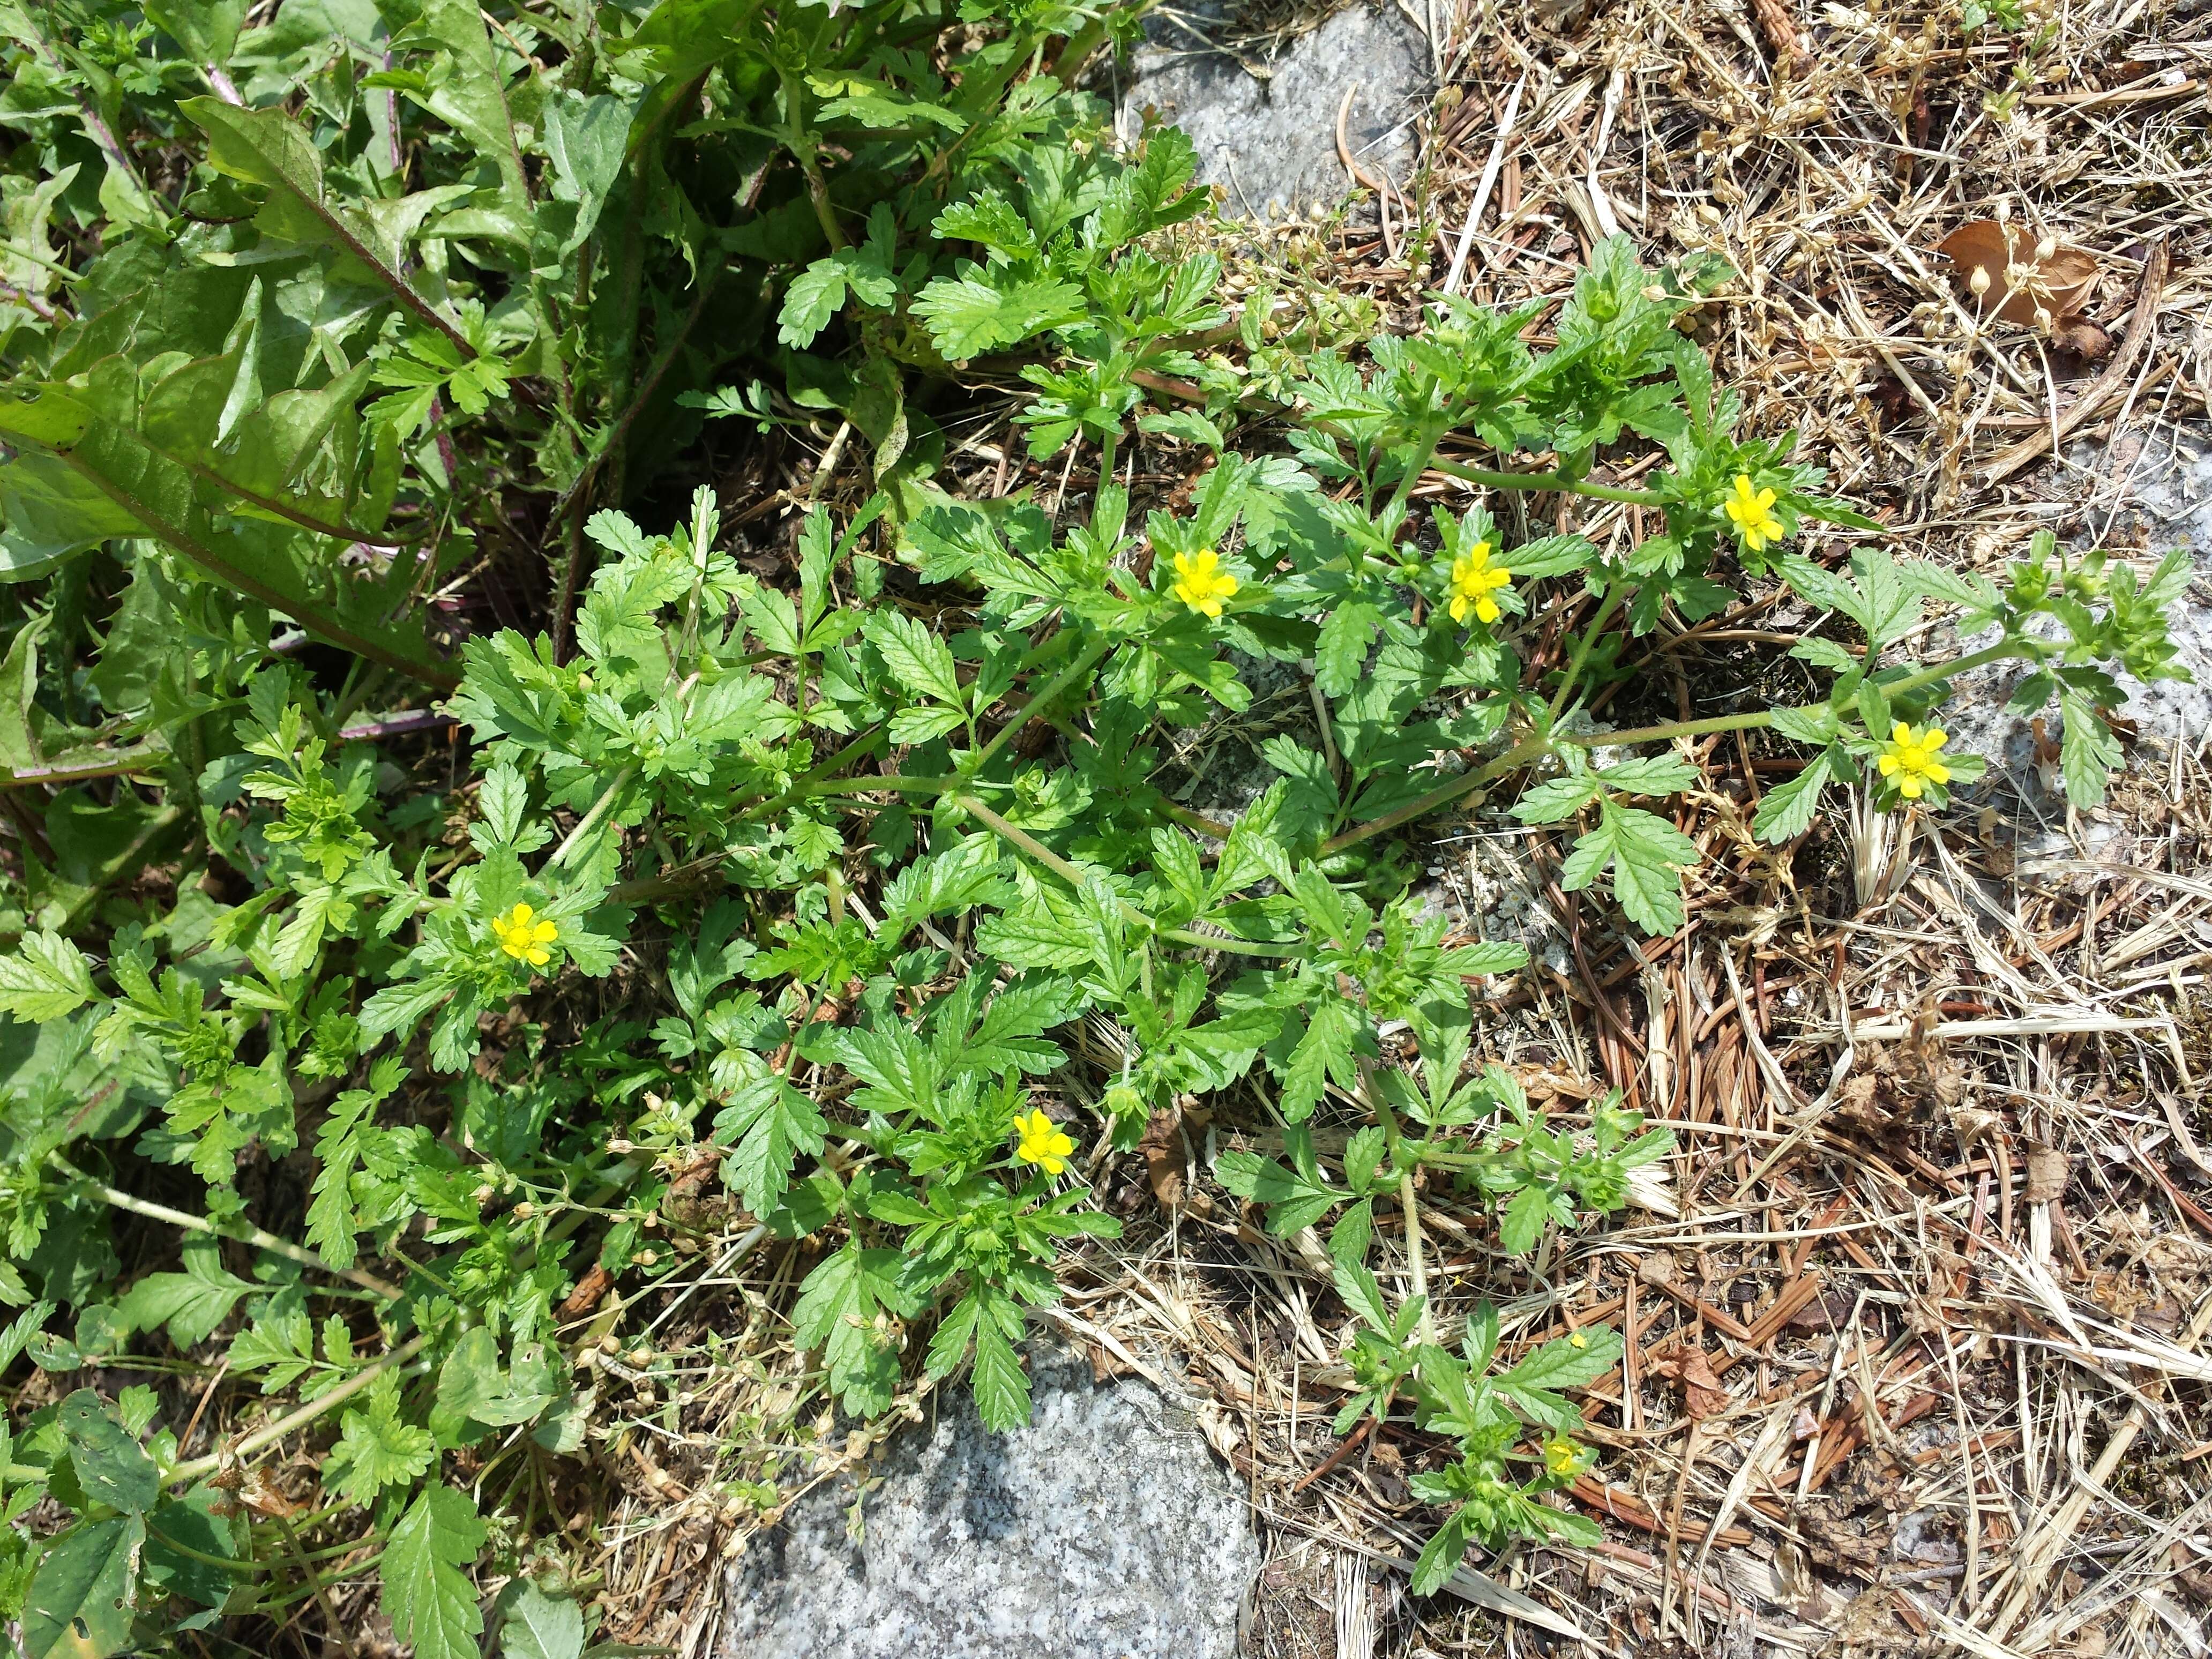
523	935
1201	583
1752	512
1041	1142
1473	579
1560	1455
1909	758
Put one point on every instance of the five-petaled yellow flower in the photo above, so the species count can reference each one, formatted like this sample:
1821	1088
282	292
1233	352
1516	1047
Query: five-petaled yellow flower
1042	1144
524	937
1473	579
1561	1455
1752	512
1909	756
1201	583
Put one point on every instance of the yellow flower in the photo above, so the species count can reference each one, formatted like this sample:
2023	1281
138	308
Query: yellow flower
1754	514
1578	1339
1909	756
1201	583
1474	578
1041	1143
1561	1455
524	939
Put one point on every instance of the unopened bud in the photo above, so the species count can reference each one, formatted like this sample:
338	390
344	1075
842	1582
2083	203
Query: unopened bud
1979	281
483	1193
619	1146
645	1258
639	1357
2043	319
524	1210
2045	248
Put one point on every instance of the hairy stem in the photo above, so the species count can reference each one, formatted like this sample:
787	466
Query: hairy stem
1043	700
1520	754
253	1235
1548	481
186	1473
1583	646
1074	876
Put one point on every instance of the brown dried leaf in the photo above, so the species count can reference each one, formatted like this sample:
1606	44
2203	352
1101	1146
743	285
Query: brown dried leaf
1703	1396
2060	284
1162	1148
2048	1171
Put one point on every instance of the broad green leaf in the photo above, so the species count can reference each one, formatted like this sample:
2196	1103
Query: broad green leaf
1523	1223
1645	853
191	1303
768	1124
1002	1388
968	317
110	1465
47	978
2088	753
537	1625
429	1602
837	1313
277	564
1785	811
1649	774
377	1449
82	1596
1556	799
268	147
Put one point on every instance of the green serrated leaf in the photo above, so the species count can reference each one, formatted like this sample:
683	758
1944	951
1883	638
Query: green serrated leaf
430	1602
47	978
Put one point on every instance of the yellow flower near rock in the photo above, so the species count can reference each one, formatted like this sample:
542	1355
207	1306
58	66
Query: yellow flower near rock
1473	579
1041	1142
1909	758
1201	583
523	935
1752	512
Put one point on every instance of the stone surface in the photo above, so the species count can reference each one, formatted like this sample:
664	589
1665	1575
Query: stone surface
1106	1529
1271	142
2144	495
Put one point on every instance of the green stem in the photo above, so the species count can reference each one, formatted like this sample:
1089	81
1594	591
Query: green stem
1520	754
253	1235
1414	1254
590	820
1997	652
186	1473
1075	877
1043	700
1548	481
1669	729
1583	646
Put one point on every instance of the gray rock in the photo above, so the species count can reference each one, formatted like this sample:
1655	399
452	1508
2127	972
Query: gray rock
1272	142
2144	495
1105	1530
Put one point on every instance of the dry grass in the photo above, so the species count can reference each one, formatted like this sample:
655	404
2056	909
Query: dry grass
1919	1362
